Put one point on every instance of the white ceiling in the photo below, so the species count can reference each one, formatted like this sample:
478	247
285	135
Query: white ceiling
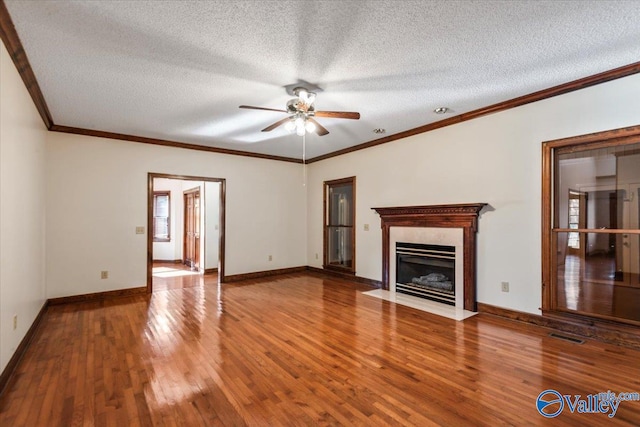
178	70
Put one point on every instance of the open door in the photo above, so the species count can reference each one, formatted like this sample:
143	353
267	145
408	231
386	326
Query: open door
192	228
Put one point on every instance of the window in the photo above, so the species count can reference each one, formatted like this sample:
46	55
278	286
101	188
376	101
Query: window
576	219
161	209
591	226
339	225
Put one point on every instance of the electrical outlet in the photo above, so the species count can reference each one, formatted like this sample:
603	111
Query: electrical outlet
270	258
15	322
104	274
139	230
505	286
366	227
316	256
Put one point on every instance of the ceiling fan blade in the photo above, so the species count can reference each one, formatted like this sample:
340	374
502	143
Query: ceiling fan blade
276	124
338	114
320	130
249	107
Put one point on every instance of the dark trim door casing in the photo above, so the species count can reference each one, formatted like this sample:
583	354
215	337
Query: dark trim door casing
549	202
349	229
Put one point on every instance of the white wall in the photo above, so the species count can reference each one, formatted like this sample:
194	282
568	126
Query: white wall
22	209
212	224
494	159
97	195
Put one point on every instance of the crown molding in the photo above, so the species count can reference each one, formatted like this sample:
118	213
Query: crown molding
13	44
175	144
596	79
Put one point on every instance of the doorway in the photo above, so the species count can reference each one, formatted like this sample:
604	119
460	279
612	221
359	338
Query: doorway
193	241
592	228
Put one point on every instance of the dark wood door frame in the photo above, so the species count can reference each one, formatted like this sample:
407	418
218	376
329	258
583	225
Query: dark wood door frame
326	205
221	219
597	324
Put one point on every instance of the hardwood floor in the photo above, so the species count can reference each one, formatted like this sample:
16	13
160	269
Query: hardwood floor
299	350
169	275
589	286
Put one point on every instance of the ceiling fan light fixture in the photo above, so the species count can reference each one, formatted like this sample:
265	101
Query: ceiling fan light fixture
310	126
290	126
441	110
299	125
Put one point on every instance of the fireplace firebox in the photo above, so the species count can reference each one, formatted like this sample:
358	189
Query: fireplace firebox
426	271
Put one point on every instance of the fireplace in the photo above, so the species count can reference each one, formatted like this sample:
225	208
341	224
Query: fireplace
426	271
422	228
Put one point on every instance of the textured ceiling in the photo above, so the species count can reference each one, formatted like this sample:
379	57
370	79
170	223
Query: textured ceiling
178	70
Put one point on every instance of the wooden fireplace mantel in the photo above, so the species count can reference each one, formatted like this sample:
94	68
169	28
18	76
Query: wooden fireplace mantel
463	216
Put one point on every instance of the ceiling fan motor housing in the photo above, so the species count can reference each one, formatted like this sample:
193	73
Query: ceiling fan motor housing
297	105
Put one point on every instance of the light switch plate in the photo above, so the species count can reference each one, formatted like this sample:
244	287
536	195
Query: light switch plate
139	230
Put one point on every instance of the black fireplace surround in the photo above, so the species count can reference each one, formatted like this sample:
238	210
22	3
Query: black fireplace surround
426	271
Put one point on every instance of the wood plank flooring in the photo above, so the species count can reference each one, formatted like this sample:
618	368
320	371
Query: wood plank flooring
299	350
169	275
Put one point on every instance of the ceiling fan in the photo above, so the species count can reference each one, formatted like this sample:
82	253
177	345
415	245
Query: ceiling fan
301	113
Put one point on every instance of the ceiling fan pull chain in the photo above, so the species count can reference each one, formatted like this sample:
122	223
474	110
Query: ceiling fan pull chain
304	162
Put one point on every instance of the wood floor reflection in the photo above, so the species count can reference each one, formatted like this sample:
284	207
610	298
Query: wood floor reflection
590	286
169	275
299	350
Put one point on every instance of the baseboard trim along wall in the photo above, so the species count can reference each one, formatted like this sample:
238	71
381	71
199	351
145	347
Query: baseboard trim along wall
260	274
598	330
8	372
351	277
210	270
98	296
269	273
170	261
